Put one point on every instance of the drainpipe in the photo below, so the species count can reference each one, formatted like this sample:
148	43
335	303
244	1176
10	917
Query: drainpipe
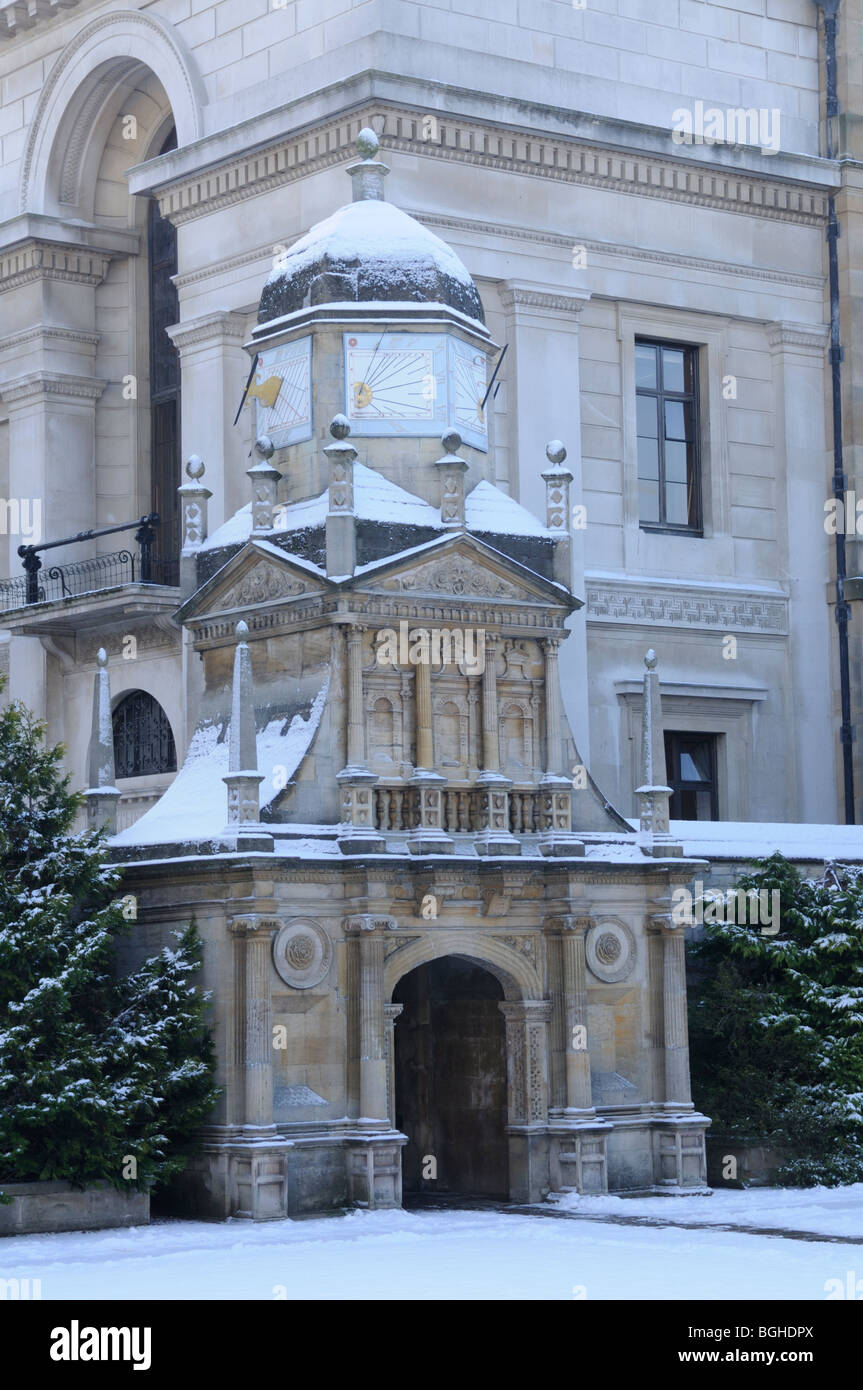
830	11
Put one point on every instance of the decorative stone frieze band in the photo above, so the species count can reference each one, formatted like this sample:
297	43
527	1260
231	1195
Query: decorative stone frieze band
46	260
685	607
51	384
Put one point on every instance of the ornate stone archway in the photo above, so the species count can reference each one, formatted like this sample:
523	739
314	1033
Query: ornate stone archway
526	1017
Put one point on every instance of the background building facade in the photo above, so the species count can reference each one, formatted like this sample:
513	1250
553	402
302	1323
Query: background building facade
664	306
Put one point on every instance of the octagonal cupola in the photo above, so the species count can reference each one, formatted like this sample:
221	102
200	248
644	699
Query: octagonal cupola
372	316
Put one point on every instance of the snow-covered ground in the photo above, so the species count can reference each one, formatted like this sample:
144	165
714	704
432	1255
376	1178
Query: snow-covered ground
468	1254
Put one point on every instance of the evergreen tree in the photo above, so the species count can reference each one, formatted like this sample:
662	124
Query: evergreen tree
776	1024
93	1068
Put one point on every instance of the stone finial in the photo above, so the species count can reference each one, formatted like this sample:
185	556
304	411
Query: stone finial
452	471
101	794
194	497
265	480
243	780
368	176
341	521
653	796
557	491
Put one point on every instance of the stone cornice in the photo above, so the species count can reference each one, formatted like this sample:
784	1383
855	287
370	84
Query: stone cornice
46	260
556	158
685	605
46	333
51	384
514	294
810	337
18	15
213	329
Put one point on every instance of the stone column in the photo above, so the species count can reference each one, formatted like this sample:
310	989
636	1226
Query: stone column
677	1088
557	514
579	1099
555	788
542	328
244	829
391	1014
429	836
265	480
214	367
257	1169
494	836
365	934
452	470
527	1096
341	526
358	833
653	795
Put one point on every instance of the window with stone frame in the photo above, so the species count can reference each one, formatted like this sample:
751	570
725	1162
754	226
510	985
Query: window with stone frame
143	741
668	439
690	761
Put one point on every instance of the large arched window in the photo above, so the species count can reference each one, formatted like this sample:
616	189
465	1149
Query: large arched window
164	379
143	742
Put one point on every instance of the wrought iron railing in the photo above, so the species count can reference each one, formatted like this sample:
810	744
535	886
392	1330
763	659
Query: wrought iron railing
40	585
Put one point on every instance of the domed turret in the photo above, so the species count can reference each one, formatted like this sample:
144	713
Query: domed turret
368	250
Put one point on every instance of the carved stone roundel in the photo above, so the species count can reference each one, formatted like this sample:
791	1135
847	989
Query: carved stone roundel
302	953
610	951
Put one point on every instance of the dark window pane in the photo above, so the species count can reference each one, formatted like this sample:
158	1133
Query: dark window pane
648	458
691	766
645	366
646	416
676	504
675	420
673	376
648	502
143	742
676	461
164	377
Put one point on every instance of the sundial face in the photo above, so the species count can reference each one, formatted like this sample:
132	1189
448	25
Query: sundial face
395	383
469	371
282	389
415	384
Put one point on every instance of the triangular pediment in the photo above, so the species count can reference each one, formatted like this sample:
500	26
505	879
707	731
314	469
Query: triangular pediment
463	567
258	574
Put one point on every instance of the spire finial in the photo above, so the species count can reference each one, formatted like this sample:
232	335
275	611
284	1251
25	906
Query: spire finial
368	176
555	452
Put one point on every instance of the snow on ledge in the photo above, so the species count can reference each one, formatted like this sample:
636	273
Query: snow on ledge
719	839
195	806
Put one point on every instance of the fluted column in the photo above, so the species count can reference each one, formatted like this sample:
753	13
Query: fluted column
366	932
676	1038
253	968
359	833
356	719
425	741
555	789
490	741
578	1089
391	1014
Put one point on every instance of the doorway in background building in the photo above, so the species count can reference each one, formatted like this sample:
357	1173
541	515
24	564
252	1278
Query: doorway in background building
450	1080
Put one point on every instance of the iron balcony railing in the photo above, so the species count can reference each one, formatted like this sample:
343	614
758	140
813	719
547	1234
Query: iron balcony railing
38	585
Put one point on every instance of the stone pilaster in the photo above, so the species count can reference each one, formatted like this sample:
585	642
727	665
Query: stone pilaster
494	836
256	1153
358	832
429	836
392	1012
527	1096
555	789
676	1036
365	934
213	368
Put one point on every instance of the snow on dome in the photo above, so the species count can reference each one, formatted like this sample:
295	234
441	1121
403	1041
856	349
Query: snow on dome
368	250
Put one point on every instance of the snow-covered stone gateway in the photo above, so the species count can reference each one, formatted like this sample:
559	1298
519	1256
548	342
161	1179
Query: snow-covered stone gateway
425	927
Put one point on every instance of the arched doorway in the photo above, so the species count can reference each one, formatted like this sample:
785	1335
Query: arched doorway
450	1080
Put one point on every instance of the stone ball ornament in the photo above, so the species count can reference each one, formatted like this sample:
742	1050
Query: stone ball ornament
609	948
367	143
555	452
302	953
